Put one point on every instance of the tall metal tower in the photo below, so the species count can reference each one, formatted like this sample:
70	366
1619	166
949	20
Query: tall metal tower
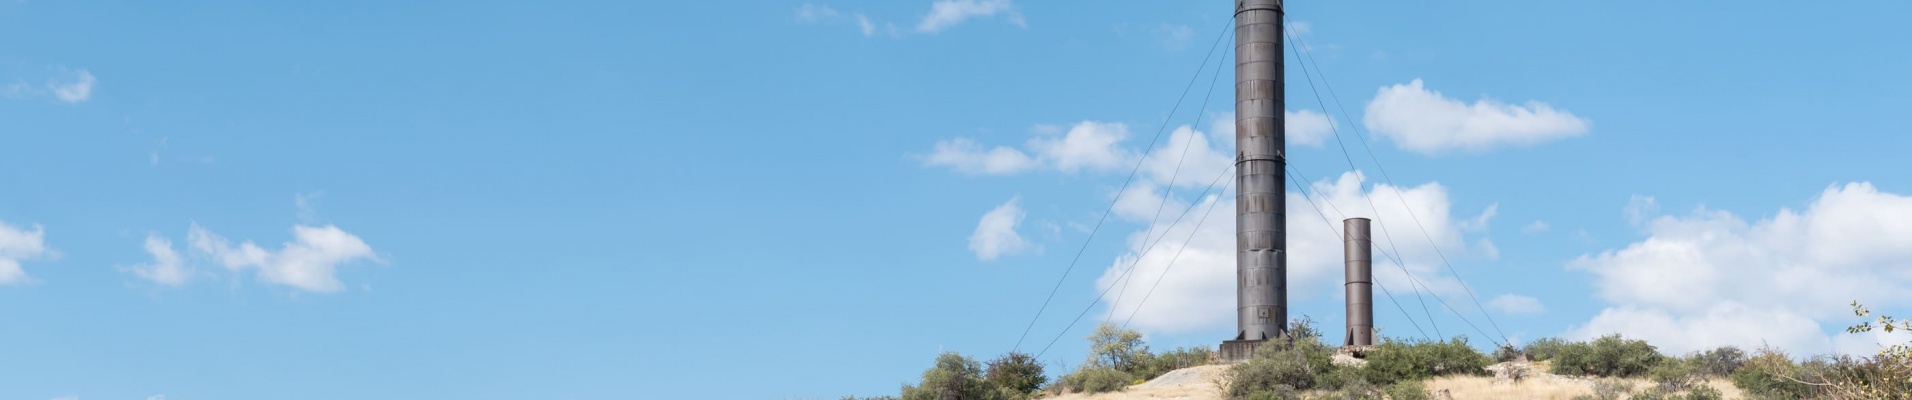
1261	237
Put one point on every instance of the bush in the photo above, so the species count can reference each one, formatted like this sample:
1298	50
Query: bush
1095	380
1155	365
1544	348
1352	390
1408	390
1675	375
1608	389
1770	374
953	377
1610	356
1506	353
1015	371
1282	365
1398	361
1718	362
1697	393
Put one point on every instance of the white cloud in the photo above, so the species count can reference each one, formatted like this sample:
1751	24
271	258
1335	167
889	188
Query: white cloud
1086	145
1537	226
967	156
1516	304
18	245
1711	278
824	14
1307	127
863	23
168	268
309	262
944	14
1203	274
1097	146
76	90
1424	121
816	13
996	234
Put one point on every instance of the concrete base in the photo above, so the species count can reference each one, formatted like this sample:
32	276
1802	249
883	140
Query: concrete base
1234	351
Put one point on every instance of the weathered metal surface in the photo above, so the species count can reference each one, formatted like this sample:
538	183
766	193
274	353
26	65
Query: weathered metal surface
1358	251
1261	258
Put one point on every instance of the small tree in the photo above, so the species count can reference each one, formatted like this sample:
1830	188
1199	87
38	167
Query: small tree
1118	348
954	377
1016	371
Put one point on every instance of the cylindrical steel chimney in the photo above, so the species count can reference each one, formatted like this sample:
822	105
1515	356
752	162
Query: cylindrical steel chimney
1261	257
1358	249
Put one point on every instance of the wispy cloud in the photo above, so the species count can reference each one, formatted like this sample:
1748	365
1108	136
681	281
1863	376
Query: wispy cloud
944	14
824	14
75	88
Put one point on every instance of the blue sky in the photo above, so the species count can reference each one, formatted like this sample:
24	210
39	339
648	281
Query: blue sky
597	200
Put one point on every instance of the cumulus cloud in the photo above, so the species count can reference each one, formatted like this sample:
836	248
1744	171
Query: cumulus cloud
996	234
167	268
76	89
1203	260
1425	121
1710	278
1516	304
1307	127
1087	145
309	262
18	245
944	14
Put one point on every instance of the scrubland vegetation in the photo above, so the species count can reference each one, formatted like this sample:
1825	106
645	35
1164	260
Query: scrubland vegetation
1301	367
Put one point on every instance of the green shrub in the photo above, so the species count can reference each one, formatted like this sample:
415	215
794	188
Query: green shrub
1341	377
1283	365
1611	356
1771	374
1015	371
1091	379
1675	375
1719	361
1506	353
954	376
1697	393
1275	393
1611	389
1544	348
1408	390
1352	390
1398	361
1155	365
